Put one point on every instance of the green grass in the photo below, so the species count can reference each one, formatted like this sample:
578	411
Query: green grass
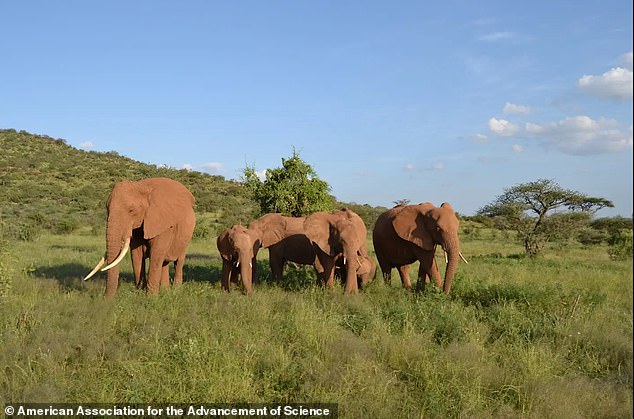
550	337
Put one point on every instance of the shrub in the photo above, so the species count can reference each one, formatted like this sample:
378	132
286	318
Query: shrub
5	274
23	231
620	245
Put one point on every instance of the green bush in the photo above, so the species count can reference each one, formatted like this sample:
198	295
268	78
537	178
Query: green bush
620	245
5	274
590	236
27	232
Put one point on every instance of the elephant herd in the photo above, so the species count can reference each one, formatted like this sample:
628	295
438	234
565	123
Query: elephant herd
154	219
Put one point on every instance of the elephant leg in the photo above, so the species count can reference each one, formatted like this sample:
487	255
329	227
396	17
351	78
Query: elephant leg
165	275
138	263
178	271
428	268
276	264
435	273
328	273
403	271
226	274
154	276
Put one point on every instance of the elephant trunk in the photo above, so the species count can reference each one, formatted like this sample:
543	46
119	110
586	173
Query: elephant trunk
246	269
351	262
452	248
114	240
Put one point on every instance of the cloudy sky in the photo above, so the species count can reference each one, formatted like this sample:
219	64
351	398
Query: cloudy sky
387	100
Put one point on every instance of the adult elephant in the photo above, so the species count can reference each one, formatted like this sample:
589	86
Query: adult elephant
286	240
334	235
407	233
155	218
238	247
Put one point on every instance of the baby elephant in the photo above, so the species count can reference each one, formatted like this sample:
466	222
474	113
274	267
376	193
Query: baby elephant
365	273
238	247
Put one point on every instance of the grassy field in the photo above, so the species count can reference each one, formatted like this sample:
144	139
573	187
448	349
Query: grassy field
545	338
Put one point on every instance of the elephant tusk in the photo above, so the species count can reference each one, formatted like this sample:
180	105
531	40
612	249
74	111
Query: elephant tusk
465	260
237	264
446	260
94	271
126	247
250	265
344	260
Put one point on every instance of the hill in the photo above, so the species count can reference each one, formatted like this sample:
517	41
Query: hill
47	184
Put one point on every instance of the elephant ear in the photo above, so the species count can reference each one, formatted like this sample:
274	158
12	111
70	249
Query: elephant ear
169	202
223	245
409	225
255	239
317	229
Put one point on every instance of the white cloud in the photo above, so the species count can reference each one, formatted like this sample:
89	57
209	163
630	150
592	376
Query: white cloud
213	167
481	138
438	166
497	36
581	135
409	167
503	127
613	84
512	108
517	148
188	166
86	145
261	175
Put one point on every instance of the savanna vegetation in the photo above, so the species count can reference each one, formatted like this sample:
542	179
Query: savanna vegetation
547	336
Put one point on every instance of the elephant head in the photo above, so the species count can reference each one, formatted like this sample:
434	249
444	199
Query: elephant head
427	226
153	205
238	247
338	234
367	270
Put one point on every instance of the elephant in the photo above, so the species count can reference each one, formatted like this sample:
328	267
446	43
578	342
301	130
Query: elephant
284	237
407	233
155	219
365	273
238	247
334	235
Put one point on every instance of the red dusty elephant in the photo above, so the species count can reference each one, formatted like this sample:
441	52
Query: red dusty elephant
153	218
286	240
407	233
238	247
337	235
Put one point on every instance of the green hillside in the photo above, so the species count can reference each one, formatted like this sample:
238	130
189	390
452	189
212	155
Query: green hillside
47	184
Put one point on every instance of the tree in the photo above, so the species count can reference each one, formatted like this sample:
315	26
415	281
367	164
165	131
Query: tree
293	189
542	211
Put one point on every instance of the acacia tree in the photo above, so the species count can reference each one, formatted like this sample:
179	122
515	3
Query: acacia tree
293	189
542	211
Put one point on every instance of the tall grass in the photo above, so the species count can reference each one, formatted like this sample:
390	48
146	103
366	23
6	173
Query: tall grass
517	337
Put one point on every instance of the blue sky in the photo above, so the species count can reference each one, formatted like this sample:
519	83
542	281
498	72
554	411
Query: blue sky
387	100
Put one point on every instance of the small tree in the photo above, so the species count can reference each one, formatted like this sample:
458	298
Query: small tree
542	211
293	189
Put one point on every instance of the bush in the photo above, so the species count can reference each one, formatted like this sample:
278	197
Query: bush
27	232
590	236
620	245
5	274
